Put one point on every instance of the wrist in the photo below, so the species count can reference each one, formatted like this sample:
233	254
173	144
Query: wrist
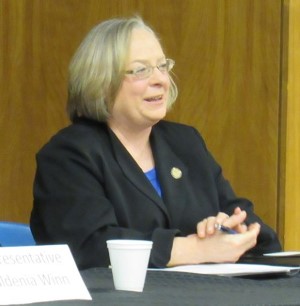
184	251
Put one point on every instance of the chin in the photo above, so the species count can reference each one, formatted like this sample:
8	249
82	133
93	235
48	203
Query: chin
160	115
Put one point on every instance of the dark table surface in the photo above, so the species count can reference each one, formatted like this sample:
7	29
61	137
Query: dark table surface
177	288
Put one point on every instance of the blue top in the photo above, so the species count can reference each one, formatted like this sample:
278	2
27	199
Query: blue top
151	176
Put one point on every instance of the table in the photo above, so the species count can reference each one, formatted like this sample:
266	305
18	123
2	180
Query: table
179	289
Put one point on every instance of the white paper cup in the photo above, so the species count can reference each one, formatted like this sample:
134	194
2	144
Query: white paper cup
129	261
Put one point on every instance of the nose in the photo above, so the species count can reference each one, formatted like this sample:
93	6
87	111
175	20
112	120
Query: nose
158	77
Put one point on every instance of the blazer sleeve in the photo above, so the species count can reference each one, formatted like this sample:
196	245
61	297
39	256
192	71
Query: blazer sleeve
267	239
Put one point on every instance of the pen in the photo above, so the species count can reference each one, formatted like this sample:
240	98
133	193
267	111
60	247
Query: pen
225	229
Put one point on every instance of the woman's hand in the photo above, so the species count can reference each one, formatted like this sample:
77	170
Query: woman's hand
211	245
207	226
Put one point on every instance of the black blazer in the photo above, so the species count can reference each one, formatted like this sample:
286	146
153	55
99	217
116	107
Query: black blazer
88	189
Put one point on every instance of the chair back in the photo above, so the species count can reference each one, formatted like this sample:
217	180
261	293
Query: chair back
15	234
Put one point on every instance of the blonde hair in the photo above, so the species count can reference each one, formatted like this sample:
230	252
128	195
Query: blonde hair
97	69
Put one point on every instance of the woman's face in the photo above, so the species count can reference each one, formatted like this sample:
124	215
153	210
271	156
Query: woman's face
140	103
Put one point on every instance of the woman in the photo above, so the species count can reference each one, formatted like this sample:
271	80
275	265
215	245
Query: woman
120	171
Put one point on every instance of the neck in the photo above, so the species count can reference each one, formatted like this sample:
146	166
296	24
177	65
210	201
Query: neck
132	137
137	143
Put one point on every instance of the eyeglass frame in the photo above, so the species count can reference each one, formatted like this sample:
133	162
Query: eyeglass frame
148	70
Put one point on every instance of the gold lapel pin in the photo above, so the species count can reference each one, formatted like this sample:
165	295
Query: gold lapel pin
176	173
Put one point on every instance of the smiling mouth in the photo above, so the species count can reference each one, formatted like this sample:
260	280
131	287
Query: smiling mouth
154	99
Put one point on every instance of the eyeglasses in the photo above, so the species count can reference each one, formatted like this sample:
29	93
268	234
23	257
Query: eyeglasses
146	71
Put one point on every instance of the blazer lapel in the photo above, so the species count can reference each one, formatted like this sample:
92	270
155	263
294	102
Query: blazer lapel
172	174
134	173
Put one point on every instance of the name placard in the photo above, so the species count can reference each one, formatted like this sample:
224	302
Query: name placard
38	274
